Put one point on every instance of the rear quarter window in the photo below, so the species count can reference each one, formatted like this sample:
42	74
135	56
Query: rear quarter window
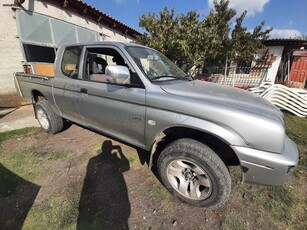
70	61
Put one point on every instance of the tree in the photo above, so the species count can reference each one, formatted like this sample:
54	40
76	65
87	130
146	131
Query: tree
178	37
237	44
188	40
243	43
217	29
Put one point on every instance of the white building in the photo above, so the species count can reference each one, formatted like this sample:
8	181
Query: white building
32	30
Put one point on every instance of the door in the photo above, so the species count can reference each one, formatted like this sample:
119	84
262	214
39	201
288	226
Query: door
64	84
298	74
114	109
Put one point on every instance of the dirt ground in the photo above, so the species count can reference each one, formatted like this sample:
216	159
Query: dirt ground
117	188
78	179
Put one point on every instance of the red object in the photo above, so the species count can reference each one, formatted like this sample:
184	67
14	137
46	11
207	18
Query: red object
299	67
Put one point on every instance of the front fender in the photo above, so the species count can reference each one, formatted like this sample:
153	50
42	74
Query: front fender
167	119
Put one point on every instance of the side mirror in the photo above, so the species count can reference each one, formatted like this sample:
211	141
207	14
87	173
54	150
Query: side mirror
118	74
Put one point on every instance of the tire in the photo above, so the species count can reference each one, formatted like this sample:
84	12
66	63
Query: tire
47	118
194	174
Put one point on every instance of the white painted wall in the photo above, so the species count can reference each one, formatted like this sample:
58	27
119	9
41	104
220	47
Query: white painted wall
11	57
10	53
276	51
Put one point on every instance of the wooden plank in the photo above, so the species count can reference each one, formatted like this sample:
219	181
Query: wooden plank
44	69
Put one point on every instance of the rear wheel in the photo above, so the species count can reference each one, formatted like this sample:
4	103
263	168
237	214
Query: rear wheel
47	118
193	173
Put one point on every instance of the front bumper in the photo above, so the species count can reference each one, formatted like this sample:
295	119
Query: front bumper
266	168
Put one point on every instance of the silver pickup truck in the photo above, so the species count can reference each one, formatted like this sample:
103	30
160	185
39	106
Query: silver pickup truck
193	130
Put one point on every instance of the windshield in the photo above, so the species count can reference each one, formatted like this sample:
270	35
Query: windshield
155	65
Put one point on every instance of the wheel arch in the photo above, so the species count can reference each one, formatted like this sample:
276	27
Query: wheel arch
220	146
37	96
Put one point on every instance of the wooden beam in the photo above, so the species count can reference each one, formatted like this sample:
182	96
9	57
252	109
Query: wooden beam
99	19
84	10
18	2
65	3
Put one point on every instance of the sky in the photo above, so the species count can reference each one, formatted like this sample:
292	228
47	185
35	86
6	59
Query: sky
287	17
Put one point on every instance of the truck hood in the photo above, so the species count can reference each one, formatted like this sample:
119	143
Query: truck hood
223	95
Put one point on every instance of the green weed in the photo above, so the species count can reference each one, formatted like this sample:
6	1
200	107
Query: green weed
232	221
58	155
17	133
24	163
60	211
296	128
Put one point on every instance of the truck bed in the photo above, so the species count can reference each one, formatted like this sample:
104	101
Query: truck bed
27	83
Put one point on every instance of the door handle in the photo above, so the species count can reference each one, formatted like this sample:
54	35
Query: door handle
83	90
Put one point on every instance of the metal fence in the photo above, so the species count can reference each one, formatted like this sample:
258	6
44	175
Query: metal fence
236	76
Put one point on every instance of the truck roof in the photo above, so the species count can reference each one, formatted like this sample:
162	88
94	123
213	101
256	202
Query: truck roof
114	43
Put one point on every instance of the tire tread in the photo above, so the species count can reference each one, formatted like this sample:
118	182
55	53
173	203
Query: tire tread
55	121
186	147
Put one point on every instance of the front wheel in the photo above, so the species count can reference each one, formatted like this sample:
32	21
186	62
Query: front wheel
193	173
47	118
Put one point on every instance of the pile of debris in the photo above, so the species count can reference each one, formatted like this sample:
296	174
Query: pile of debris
293	100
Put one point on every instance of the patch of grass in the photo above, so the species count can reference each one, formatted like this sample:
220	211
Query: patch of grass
233	221
20	169
296	128
284	206
133	159
58	155
57	212
276	202
16	198
30	165
17	133
24	163
159	192
10	182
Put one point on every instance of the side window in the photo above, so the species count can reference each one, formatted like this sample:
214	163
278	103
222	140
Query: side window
97	60
70	61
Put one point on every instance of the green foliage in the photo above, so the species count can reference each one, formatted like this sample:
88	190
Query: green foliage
243	43
178	37
187	39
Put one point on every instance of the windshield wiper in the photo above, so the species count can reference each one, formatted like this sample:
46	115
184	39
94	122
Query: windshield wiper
163	76
171	78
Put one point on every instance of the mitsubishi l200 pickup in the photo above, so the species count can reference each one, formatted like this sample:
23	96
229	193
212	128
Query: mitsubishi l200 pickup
193	130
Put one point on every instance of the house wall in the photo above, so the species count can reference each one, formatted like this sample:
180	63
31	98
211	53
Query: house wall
11	54
277	52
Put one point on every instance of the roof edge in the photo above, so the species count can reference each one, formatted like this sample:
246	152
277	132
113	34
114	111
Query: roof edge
284	41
